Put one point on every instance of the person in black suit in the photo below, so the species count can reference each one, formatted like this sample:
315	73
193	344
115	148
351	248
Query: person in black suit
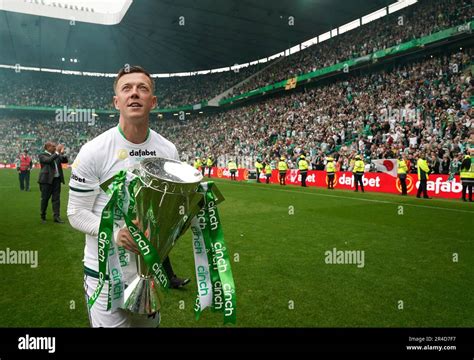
50	178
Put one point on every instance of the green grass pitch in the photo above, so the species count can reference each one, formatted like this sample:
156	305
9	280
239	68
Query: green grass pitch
418	260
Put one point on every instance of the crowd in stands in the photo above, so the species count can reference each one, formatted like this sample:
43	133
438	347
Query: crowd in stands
421	19
31	88
31	133
421	106
417	106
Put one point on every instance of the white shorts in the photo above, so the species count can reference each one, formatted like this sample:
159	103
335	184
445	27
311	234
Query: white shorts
99	316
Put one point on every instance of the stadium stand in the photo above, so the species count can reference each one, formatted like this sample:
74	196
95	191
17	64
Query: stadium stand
423	105
51	89
421	19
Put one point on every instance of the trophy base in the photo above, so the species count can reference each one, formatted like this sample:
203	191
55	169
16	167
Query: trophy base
143	296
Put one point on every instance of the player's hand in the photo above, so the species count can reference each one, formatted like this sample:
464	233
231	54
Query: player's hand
60	148
125	239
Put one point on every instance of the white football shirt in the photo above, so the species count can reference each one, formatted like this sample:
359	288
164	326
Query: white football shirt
99	160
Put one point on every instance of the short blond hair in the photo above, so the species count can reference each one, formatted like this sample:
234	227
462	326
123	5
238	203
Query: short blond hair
127	69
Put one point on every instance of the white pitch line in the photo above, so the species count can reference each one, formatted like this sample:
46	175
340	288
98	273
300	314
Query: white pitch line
360	199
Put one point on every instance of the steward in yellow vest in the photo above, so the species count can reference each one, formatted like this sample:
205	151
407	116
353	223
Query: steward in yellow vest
197	163
467	176
331	172
303	167
402	170
423	176
209	164
232	166
282	168
268	172
258	169
358	172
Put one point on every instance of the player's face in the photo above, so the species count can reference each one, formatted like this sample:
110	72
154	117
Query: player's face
134	97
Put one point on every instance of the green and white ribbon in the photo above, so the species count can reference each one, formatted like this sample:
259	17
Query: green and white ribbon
116	286
105	237
203	277
216	288
121	205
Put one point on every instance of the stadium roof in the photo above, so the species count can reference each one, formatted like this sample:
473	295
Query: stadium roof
175	35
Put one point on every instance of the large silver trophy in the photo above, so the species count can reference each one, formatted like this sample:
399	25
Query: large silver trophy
166	200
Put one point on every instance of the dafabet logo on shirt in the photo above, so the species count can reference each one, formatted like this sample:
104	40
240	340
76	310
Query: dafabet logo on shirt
122	154
142	152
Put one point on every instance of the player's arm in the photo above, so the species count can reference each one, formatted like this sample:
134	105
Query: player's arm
83	192
80	215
